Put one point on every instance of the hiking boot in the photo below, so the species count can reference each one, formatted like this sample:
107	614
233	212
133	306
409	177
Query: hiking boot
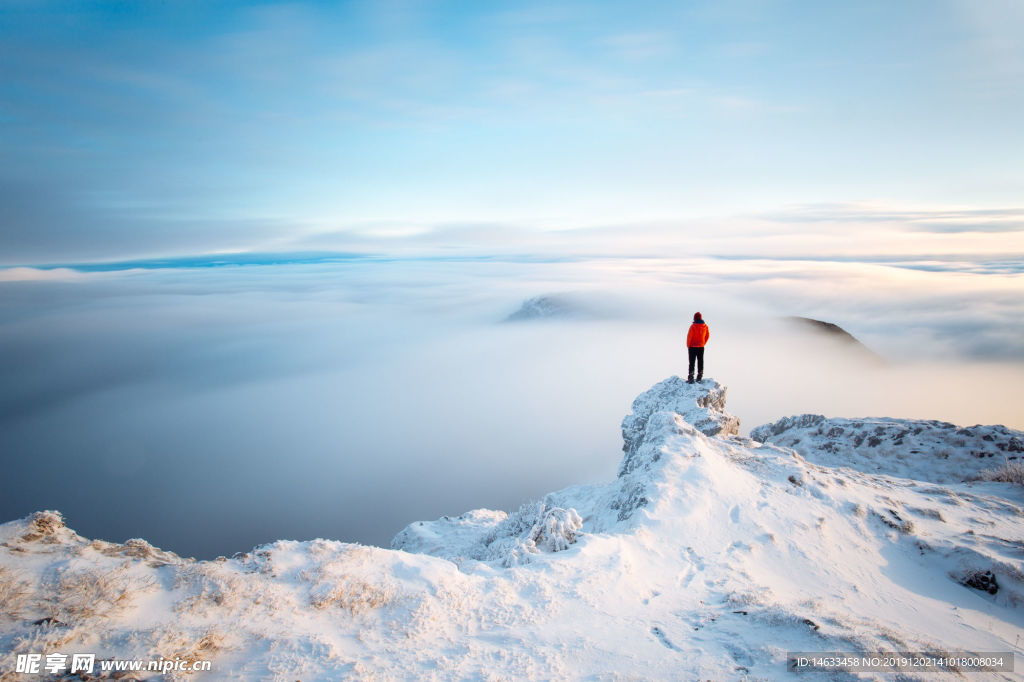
700	378
689	379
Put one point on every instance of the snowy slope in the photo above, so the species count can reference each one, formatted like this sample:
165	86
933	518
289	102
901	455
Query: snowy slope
709	556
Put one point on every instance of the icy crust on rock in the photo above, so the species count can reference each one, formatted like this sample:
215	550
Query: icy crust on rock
670	408
486	535
924	450
708	557
657	411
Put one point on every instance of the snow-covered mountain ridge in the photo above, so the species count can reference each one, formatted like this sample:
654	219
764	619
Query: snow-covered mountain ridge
911	448
710	556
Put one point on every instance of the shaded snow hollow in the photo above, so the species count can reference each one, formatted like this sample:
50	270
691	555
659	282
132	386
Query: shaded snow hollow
709	556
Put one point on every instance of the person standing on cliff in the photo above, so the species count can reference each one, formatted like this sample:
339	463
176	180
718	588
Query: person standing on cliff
696	338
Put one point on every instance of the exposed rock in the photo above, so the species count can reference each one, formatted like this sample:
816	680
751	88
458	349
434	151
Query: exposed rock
925	450
981	580
702	405
668	408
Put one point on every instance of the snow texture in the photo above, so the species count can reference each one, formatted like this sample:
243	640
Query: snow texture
484	535
710	556
910	448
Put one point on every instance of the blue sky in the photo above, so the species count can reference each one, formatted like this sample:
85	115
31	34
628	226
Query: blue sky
135	130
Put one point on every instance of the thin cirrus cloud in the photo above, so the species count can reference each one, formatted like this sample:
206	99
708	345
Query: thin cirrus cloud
265	123
1013	221
984	219
45	222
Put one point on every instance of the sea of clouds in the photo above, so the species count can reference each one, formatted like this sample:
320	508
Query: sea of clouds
211	406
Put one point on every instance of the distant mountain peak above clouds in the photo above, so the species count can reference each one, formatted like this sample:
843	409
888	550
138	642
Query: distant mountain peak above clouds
550	307
836	333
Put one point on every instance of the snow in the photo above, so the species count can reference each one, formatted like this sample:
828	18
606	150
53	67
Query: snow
909	448
484	535
710	556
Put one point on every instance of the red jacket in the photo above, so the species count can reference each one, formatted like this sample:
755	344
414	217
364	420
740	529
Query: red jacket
698	335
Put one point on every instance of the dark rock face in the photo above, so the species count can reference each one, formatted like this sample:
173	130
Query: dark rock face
984	581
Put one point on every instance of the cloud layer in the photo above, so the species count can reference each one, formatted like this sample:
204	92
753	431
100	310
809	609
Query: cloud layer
345	399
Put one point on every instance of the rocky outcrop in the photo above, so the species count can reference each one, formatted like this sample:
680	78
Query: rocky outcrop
551	306
667	409
701	405
927	450
485	535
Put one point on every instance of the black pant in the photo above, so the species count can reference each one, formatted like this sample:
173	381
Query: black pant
698	355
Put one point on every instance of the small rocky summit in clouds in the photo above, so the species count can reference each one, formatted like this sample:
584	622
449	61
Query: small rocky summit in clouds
708	556
550	307
838	335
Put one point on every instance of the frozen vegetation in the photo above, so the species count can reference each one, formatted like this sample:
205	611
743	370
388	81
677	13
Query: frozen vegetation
710	556
909	448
